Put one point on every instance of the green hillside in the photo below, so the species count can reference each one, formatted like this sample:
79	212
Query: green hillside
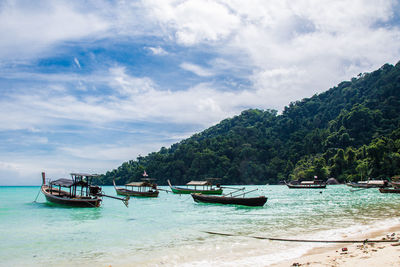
349	132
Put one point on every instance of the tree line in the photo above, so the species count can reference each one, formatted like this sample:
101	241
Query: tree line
350	132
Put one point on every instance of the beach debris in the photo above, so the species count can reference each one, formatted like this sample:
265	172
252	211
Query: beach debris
344	249
296	264
396	244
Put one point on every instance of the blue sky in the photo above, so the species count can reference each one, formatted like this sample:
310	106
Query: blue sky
87	85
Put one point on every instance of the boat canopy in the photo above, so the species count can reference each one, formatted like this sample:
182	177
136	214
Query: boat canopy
376	182
139	184
64	182
200	183
307	182
84	174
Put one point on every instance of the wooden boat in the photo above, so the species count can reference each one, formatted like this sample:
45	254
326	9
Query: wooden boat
202	187
75	192
315	184
142	189
395	184
369	184
231	200
390	190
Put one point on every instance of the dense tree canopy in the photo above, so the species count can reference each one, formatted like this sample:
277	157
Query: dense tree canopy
349	132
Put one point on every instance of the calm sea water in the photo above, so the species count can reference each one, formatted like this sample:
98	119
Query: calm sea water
169	230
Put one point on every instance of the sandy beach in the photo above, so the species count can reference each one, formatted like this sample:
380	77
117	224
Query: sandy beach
368	254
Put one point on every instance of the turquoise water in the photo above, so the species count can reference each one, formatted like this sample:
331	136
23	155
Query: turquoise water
169	230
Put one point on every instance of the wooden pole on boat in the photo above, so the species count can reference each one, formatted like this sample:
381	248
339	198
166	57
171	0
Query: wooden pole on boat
229	187
240	189
245	193
125	200
43	183
168	191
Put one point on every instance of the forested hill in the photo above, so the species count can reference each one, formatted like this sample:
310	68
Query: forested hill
349	132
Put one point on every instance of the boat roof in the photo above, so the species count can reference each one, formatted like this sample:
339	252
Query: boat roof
307	182
64	182
376	182
199	183
138	184
85	174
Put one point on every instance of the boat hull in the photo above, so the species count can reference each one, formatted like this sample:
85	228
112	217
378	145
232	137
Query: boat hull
367	185
298	186
390	190
178	190
181	190
66	200
132	193
252	202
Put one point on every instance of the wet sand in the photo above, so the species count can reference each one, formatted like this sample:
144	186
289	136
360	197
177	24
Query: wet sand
368	254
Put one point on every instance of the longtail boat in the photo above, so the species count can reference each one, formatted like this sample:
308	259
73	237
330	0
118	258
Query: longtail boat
75	192
369	184
390	190
230	199
145	188
202	187
315	184
395	184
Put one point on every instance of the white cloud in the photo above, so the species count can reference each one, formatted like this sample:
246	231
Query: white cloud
196	69
128	85
77	63
194	21
288	50
35	28
158	51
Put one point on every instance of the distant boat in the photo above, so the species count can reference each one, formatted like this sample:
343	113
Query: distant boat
244	201
145	188
315	184
231	199
75	192
390	190
203	187
395	184
369	184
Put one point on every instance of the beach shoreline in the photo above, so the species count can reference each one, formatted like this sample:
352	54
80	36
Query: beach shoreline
368	254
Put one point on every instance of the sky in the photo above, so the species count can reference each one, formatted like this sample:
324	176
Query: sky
88	85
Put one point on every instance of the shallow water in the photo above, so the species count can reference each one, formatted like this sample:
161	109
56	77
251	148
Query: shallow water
169	230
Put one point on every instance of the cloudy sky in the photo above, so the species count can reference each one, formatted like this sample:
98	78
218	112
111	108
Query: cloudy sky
87	85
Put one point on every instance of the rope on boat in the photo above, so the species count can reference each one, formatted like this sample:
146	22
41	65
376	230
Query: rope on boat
40	188
308	240
168	191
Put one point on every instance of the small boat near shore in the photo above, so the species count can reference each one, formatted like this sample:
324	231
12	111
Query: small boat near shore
145	188
390	190
202	187
369	184
315	184
230	199
75	192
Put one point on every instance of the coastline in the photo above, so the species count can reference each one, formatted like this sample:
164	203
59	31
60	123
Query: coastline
369	254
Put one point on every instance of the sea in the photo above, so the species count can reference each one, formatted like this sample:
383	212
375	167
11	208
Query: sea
171	230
